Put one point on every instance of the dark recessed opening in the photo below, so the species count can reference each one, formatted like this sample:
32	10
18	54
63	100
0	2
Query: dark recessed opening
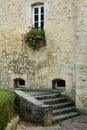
21	82
61	83
58	83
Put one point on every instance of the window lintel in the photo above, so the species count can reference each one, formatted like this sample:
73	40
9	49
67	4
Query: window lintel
37	3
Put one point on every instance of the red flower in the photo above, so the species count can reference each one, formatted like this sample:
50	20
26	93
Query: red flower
33	33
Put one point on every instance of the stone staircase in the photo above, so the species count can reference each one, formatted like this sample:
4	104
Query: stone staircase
62	108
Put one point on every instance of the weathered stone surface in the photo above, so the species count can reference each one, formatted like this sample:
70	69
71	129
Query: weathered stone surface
64	57
81	56
76	123
13	124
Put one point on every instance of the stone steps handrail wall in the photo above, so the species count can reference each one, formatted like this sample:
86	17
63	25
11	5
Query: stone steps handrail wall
33	110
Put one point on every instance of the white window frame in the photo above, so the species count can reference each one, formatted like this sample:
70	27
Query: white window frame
39	17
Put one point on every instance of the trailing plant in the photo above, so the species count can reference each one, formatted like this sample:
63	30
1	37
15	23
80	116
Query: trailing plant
6	107
34	38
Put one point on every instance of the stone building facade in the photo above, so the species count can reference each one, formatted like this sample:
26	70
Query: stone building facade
63	60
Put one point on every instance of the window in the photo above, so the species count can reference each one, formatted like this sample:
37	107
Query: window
38	16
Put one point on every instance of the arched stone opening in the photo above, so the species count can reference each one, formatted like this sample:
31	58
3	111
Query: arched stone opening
58	84
19	83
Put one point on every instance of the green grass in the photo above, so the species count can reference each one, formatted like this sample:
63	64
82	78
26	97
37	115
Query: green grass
6	107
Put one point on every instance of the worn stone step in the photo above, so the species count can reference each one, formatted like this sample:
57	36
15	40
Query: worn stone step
54	100
61	105
35	93
46	96
64	116
62	110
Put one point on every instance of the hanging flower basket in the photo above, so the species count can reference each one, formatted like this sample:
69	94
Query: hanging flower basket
34	38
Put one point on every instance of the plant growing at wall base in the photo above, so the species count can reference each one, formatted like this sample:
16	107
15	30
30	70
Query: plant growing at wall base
6	107
34	38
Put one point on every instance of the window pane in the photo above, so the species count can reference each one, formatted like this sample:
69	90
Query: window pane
42	17
36	17
35	10
42	24
36	25
42	9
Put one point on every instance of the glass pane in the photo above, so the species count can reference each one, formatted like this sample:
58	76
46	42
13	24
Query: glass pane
36	17
42	17
42	9
36	25
35	10
42	24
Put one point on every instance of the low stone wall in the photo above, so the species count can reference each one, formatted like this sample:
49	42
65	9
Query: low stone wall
13	124
31	109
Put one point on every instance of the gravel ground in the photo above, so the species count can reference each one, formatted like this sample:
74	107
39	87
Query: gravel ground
76	123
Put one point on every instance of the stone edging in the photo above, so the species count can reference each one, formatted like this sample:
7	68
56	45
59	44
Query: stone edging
13	124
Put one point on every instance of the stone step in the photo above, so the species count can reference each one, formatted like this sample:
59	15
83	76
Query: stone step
54	100
62	110
64	116
46	96
36	93
61	105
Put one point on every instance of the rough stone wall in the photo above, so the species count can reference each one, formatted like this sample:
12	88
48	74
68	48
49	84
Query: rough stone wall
60	31
81	55
58	59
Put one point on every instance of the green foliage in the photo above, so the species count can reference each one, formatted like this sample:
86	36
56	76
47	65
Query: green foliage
6	107
34	38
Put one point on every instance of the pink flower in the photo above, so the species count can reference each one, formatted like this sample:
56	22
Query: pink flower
38	36
22	40
22	35
29	26
41	43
